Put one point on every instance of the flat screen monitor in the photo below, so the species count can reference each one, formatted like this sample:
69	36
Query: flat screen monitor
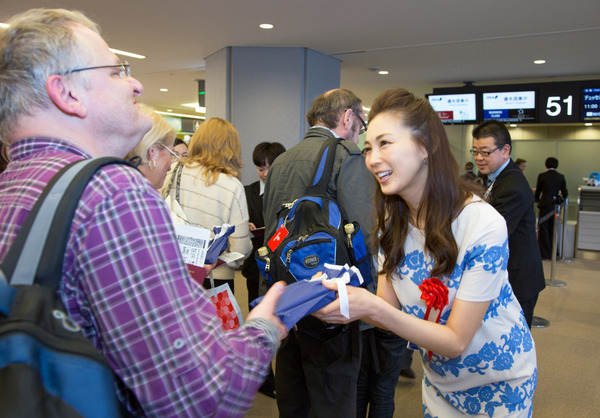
455	108
591	104
509	106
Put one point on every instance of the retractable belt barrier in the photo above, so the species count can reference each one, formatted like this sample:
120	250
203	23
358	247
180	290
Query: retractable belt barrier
539	322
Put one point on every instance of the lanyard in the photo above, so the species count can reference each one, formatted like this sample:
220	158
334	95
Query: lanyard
488	191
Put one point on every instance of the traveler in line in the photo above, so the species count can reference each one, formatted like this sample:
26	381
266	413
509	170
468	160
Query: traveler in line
211	193
551	190
509	193
468	174
263	156
66	97
521	163
180	147
317	365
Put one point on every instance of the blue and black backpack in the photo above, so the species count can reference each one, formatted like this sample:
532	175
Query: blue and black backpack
312	231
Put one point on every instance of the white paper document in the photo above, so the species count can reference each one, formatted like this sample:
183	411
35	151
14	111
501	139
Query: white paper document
193	242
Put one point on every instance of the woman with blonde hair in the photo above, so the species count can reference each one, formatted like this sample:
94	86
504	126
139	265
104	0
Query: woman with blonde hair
155	149
210	191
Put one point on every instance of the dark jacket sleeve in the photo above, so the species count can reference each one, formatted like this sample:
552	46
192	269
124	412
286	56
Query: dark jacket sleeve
356	190
512	197
563	188
538	187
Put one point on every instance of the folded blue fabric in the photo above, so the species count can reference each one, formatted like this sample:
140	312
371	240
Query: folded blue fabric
304	297
219	243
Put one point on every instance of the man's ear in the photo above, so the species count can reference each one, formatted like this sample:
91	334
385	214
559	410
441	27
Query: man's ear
347	119
65	97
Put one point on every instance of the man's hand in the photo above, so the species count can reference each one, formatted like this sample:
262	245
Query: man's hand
266	308
209	268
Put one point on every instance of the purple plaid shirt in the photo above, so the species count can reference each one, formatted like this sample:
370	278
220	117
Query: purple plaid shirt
125	283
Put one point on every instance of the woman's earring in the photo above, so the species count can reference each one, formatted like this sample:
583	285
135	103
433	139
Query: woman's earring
426	161
151	165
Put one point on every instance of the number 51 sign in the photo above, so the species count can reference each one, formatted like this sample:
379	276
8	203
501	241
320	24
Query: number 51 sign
559	104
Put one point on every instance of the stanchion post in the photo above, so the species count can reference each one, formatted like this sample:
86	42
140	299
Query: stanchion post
564	230
553	281
538	322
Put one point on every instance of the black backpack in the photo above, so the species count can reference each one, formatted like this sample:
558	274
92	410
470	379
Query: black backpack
312	231
48	368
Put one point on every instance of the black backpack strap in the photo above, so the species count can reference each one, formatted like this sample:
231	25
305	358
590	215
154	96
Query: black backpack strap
37	254
323	168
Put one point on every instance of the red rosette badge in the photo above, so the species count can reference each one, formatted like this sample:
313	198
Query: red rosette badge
435	295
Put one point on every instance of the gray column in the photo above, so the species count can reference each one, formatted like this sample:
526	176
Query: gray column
266	92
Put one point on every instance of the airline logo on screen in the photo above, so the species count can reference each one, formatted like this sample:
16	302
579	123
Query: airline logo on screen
514	100
513	106
454	108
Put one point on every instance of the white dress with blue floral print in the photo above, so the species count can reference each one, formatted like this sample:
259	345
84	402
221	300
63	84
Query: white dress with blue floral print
497	373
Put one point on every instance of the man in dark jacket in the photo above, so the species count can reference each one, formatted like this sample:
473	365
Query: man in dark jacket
263	156
549	184
318	365
509	193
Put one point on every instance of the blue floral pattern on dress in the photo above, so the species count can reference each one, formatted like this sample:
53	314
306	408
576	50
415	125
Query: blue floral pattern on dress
494	356
442	365
414	260
502	301
497	355
416	264
493	258
472	256
501	357
486	399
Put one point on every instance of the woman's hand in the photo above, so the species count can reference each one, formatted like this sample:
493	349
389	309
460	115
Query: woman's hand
360	301
383	311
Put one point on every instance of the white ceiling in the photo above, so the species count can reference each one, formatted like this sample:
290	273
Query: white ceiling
422	43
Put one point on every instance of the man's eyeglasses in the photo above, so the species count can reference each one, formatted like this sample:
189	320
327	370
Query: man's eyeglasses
174	156
364	124
125	69
484	154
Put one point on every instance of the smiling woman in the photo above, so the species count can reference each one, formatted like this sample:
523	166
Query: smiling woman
443	255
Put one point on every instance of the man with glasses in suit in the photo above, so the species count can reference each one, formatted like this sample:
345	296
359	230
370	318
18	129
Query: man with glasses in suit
509	193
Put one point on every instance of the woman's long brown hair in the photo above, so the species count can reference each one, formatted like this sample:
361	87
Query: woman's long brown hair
444	195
